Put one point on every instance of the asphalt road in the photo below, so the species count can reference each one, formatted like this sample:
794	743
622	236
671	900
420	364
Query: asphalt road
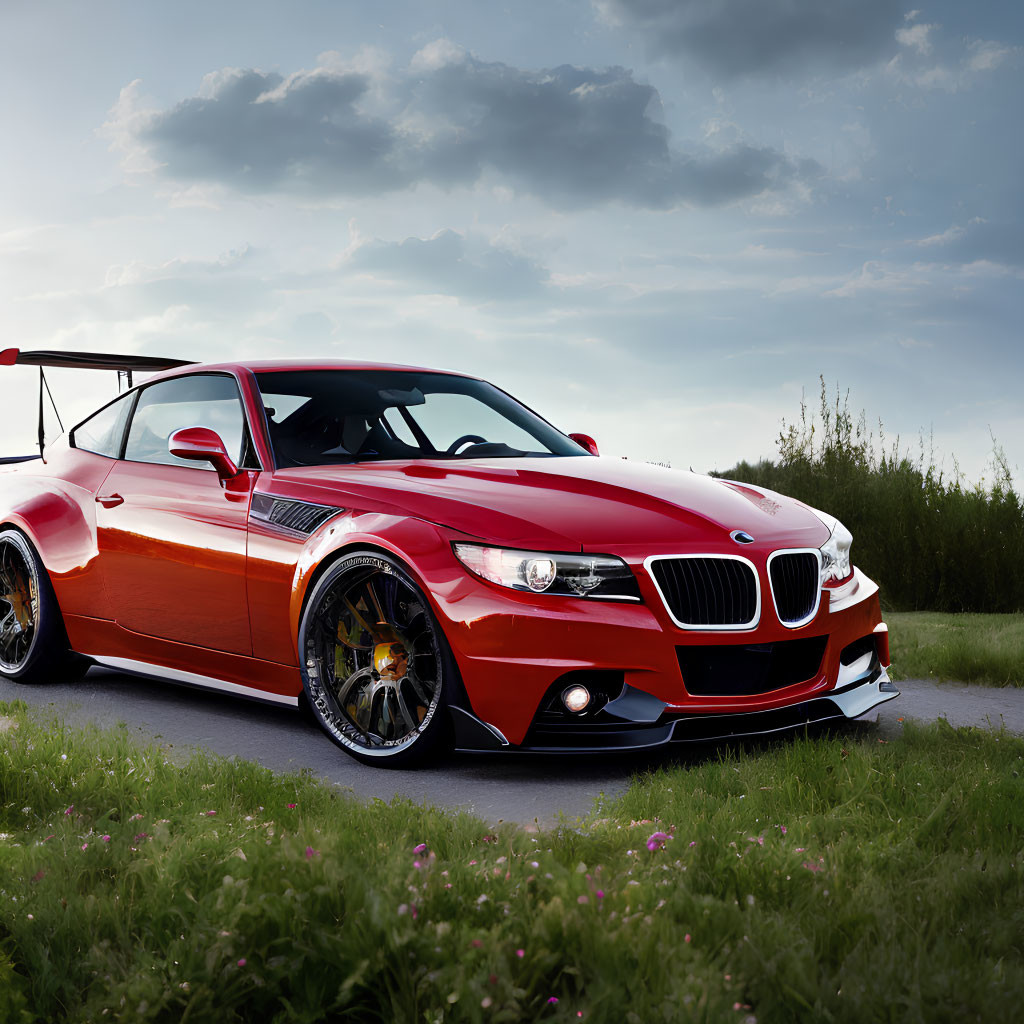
528	790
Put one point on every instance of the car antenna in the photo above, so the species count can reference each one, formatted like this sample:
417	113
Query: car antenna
125	366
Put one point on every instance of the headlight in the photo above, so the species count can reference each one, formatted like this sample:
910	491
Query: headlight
537	572
835	554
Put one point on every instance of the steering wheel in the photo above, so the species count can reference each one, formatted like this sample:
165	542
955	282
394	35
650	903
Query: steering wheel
460	441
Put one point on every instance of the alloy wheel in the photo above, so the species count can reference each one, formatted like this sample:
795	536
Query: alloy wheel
372	658
19	606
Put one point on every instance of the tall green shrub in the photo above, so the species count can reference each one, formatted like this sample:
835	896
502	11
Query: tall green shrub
931	541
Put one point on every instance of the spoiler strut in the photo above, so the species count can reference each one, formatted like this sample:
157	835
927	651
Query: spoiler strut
125	367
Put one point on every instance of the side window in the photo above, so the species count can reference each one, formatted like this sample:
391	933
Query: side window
203	400
102	432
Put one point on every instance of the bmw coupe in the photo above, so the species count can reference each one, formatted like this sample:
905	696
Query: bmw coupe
426	563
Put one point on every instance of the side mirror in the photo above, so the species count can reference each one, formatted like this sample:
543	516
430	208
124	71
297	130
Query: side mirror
586	442
200	444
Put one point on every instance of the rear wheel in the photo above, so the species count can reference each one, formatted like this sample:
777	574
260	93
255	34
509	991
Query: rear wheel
376	667
33	643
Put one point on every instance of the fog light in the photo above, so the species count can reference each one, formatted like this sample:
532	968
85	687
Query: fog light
576	699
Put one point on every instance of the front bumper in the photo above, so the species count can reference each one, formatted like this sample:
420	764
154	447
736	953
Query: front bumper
514	651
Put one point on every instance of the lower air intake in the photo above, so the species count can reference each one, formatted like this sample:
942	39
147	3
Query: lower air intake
744	670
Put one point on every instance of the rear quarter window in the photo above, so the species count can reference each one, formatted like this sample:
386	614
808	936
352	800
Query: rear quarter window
103	432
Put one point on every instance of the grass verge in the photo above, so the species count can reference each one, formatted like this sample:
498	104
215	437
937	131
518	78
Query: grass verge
822	879
969	648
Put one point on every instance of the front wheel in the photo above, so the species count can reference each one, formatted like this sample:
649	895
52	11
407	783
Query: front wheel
33	642
376	667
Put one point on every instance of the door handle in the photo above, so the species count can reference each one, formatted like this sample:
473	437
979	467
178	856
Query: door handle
109	500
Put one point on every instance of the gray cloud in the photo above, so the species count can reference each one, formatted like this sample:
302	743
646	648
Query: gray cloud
572	136
450	264
734	38
257	132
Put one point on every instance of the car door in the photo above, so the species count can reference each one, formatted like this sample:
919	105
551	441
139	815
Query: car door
171	534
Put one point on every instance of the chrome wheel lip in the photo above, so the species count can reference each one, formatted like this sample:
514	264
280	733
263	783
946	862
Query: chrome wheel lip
339	724
8	615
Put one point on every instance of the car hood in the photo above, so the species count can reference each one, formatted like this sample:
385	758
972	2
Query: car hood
593	504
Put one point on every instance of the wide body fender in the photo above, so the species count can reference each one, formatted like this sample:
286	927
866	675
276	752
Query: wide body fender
282	569
53	504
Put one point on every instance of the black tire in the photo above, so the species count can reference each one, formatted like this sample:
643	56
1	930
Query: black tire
33	642
377	670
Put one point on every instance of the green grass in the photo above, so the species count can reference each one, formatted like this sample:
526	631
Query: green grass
968	648
832	879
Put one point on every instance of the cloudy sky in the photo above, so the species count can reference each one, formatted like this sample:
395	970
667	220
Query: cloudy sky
656	221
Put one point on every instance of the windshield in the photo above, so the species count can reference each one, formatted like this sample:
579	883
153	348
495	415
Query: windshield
326	417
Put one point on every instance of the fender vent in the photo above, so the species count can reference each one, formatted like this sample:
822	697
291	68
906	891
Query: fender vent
291	514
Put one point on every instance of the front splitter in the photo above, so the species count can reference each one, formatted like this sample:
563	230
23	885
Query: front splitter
852	701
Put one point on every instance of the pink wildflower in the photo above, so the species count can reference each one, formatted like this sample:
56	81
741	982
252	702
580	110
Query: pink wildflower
211	814
291	807
656	841
686	937
693	842
520	953
135	817
477	943
416	864
67	813
811	866
420	848
552	999
311	853
782	828
599	894
85	846
106	839
242	962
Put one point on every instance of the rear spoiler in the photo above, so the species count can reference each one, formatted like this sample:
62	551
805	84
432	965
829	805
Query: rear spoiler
124	366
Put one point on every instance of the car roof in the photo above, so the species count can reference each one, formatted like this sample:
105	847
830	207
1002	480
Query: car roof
271	365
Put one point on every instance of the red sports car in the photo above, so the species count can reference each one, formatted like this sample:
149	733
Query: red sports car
427	562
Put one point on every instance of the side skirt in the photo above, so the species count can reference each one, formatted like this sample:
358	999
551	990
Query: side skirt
142	668
108	644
